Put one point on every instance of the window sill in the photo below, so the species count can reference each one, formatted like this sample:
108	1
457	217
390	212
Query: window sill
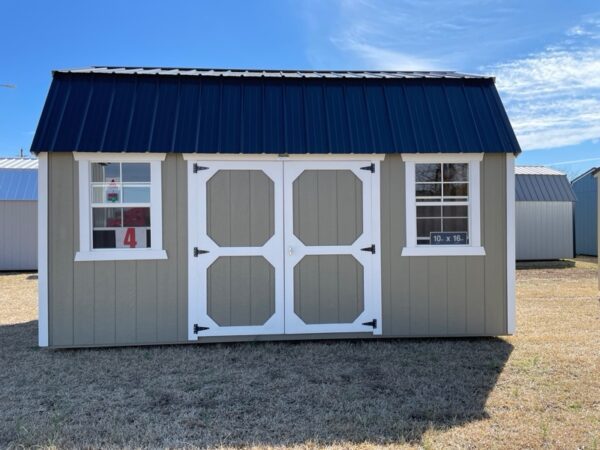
446	250
120	255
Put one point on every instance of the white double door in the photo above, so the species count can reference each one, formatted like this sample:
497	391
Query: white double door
283	247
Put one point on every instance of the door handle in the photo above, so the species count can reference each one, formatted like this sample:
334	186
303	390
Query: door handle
290	251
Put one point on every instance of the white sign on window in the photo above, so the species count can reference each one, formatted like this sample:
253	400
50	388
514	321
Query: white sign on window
131	237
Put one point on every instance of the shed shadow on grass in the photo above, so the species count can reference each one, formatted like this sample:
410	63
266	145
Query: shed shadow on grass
315	393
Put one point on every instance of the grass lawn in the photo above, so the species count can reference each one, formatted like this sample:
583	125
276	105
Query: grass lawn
540	388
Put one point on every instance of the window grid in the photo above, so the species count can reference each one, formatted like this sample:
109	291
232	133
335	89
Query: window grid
441	201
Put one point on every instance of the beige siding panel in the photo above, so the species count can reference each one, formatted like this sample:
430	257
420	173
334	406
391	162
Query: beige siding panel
167	269
241	290
328	289
327	207
104	302
146	291
61	207
147	317
305	192
494	188
395	268
419	296
475	283
438	295
457	295
107	303
84	322
126	301
240	208
451	295
83	285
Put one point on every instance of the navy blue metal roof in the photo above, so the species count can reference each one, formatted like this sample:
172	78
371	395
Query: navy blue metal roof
18	184
161	110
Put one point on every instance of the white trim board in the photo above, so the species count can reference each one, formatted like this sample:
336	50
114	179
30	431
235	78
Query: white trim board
510	245
474	203
43	337
86	252
272	157
118	157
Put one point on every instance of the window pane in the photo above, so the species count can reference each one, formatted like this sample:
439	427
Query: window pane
106	194
103	239
456	172
456	225
136	194
456	190
426	226
428	172
132	237
456	211
428	190
106	217
429	211
136	172
136	217
105	172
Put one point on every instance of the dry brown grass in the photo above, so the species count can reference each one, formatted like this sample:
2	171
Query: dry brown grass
540	388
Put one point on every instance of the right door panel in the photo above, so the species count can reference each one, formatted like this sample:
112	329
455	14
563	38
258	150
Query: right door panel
328	231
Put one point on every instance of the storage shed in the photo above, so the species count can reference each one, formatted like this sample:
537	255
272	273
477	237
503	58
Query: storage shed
586	213
203	205
544	214
18	214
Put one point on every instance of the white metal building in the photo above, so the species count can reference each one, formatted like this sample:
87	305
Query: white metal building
18	214
544	214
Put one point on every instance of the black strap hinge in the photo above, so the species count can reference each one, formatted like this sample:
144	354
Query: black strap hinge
197	252
198	168
372	323
370	168
198	328
369	249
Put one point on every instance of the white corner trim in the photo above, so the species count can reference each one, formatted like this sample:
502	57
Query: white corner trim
43	249
443	250
86	252
118	157
511	307
441	157
120	255
274	157
376	234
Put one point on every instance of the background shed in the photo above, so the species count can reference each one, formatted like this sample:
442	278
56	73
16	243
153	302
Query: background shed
586	217
18	213
544	214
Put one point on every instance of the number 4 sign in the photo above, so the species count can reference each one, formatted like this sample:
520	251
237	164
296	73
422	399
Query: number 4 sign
131	237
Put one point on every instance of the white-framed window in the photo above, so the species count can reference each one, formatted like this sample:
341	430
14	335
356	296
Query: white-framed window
120	206
443	215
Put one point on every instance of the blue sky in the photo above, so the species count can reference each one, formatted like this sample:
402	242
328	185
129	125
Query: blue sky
545	54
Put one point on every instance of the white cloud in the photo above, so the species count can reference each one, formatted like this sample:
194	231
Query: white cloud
384	59
553	96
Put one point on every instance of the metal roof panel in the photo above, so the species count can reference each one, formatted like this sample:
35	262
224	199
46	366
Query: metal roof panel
18	163
18	184
545	188
276	112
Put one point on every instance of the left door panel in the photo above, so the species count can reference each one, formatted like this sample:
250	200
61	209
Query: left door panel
236	248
